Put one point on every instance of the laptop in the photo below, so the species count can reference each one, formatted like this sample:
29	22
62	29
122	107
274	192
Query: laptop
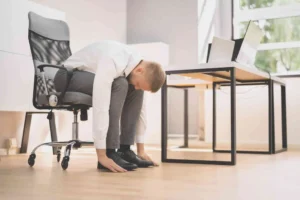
244	50
251	41
221	50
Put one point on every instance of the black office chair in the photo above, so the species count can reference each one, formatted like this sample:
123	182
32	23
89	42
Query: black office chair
55	86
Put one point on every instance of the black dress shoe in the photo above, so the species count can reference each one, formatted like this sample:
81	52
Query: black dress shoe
119	161
131	157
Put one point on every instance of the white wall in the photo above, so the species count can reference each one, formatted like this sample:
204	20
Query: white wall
89	21
92	20
173	22
293	108
176	111
223	19
158	52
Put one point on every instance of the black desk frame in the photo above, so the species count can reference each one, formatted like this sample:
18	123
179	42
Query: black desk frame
232	84
271	111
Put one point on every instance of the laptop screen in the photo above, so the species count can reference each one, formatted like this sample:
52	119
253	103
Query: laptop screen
245	49
248	49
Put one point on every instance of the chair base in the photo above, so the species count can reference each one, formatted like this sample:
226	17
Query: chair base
72	144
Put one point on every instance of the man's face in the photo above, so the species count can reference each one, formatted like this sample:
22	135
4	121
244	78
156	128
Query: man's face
138	80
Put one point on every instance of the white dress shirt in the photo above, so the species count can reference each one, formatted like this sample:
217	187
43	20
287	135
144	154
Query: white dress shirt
107	60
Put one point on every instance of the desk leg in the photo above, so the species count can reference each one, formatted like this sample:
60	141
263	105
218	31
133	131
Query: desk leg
273	118
214	118
270	99
26	131
283	112
164	130
186	119
283	118
233	115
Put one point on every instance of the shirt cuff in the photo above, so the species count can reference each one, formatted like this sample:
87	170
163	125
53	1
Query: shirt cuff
100	144
140	139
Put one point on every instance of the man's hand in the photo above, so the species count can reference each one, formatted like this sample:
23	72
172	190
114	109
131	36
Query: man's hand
107	162
144	156
111	165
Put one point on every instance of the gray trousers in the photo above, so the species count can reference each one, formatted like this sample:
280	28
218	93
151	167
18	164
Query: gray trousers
125	108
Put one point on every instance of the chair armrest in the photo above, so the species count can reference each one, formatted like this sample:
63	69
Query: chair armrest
66	79
41	67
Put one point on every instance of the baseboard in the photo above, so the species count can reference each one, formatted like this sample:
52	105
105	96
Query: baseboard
5	152
171	136
294	146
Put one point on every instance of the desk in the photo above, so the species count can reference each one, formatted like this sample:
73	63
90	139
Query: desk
227	74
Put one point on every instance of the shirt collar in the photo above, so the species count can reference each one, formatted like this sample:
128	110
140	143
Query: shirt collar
133	62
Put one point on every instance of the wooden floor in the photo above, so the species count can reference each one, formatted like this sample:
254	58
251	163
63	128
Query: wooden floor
254	177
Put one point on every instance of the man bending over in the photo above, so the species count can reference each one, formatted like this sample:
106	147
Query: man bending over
119	118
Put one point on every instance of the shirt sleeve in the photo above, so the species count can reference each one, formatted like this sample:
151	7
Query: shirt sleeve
142	123
105	74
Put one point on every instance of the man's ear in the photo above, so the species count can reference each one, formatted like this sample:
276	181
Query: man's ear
140	69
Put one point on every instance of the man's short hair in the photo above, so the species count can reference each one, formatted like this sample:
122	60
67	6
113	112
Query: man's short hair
155	75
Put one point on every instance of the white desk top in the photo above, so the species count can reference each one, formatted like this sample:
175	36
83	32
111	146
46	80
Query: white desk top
243	73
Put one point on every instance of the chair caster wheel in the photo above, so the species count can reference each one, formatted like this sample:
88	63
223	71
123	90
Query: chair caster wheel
65	162
58	156
31	159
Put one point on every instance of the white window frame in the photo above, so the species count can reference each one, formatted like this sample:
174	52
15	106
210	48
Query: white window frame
206	15
274	12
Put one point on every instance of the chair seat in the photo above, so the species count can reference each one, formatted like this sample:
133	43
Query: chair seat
78	98
80	88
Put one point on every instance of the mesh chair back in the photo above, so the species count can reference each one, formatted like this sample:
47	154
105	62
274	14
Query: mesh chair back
49	44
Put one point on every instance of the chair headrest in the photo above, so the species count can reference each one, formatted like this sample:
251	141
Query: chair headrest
50	28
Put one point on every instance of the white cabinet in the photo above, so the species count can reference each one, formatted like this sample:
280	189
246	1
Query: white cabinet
16	66
16	82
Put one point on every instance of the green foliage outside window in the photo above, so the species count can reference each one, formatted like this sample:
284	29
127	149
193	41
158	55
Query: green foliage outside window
275	30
